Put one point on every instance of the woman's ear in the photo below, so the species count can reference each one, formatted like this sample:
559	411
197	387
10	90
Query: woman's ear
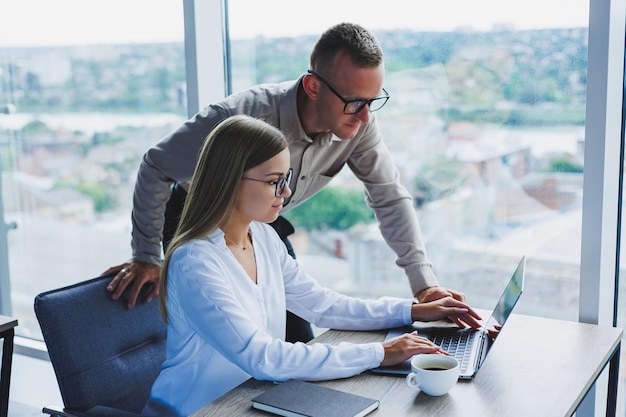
311	86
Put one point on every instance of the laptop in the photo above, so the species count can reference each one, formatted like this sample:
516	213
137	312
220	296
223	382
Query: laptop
468	346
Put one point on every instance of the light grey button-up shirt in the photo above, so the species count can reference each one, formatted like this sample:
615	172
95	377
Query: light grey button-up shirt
314	164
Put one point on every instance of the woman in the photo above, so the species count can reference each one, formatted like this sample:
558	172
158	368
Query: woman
227	280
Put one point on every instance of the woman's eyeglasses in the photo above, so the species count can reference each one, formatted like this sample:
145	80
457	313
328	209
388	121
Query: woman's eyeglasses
280	183
355	106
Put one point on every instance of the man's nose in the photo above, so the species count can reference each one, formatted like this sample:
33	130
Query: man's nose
364	114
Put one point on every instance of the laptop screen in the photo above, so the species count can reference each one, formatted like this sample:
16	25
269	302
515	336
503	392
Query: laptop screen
507	301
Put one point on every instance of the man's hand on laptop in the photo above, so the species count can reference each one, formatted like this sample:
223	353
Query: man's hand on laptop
471	319
442	308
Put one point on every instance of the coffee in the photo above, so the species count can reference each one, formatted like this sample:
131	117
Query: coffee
435	368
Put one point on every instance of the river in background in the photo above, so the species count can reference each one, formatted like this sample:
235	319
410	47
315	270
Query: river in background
89	122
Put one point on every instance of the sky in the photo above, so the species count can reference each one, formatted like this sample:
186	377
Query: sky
62	22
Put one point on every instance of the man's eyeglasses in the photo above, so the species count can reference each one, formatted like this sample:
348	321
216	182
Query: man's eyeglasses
280	183
355	106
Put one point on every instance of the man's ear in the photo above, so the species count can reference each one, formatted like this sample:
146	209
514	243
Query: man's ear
311	86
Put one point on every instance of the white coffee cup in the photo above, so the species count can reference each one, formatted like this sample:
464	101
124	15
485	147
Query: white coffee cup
434	374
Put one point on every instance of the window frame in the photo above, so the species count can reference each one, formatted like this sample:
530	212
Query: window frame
602	181
206	52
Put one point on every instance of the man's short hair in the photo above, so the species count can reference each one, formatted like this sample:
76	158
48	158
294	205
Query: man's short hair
358	43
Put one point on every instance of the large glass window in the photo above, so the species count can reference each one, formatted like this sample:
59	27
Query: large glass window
85	89
486	122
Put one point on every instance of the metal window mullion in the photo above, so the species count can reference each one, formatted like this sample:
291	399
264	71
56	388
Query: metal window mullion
601	184
6	307
205	52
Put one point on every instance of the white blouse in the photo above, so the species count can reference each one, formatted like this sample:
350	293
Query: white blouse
224	329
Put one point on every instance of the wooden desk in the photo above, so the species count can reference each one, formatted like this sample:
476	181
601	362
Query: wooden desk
7	333
526	374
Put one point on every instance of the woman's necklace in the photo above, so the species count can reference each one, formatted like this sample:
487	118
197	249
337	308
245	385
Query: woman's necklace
235	244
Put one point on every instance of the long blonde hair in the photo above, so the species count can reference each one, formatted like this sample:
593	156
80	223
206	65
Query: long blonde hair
233	147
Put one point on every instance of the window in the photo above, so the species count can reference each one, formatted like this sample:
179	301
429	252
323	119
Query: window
82	98
486	123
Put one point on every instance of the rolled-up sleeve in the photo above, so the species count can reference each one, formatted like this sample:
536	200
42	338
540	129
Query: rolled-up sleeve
373	164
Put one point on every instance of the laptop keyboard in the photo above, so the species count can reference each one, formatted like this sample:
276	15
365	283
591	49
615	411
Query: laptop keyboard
457	344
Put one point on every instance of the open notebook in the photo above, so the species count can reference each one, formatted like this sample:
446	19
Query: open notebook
468	346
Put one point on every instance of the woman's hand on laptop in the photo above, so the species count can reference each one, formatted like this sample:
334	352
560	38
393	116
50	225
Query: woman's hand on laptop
401	348
457	311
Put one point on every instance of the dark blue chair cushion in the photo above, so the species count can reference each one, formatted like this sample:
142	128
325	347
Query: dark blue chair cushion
103	353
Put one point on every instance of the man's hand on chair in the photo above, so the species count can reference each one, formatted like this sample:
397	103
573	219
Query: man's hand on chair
135	272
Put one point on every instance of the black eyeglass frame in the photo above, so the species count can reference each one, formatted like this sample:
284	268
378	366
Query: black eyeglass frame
280	183
359	103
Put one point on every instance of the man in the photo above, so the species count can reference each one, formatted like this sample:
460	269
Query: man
327	117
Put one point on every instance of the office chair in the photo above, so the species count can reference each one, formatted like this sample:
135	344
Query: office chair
105	356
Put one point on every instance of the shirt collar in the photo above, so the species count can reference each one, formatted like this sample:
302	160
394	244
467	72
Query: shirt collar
290	123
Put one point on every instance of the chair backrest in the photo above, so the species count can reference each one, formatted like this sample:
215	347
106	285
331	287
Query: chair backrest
103	353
